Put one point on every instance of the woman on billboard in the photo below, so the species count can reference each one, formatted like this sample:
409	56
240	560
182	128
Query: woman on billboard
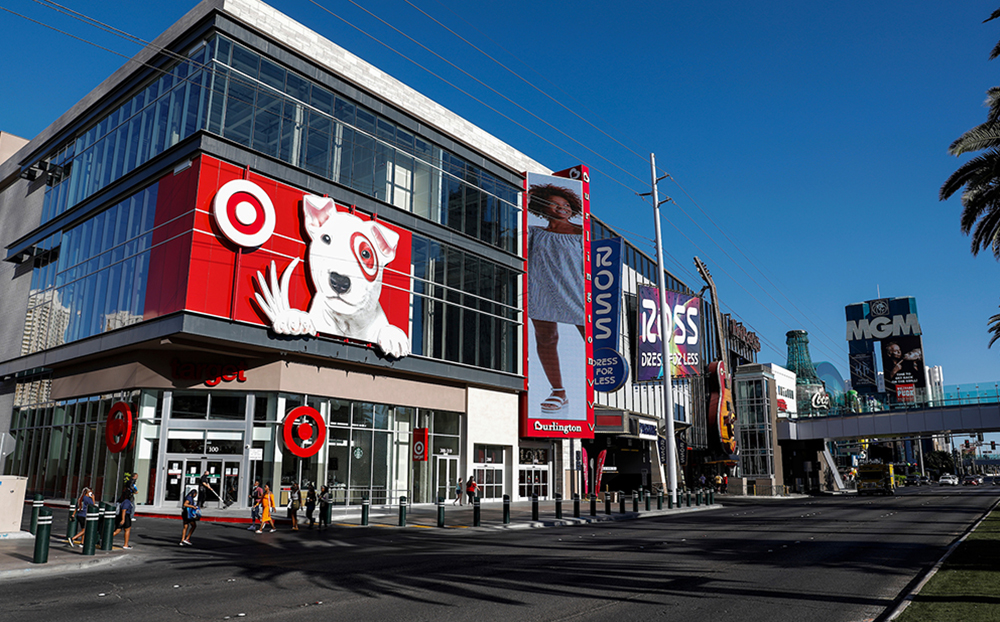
555	280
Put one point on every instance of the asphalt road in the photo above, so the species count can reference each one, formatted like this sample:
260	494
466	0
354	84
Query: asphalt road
837	558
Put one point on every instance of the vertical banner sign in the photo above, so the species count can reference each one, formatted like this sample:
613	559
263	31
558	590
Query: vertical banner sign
892	323
559	341
420	439
685	349
609	367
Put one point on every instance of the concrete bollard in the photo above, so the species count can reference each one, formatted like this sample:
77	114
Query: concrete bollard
90	531
558	505
534	507
402	511
440	511
506	509
576	505
36	505
43	530
366	504
477	515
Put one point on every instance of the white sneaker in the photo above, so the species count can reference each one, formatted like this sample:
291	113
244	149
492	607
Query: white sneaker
126	548
258	531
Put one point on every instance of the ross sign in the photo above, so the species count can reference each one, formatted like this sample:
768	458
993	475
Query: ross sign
559	352
609	367
421	437
118	430
685	349
304	431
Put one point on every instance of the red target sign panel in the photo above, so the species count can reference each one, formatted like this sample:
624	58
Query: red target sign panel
421	437
244	213
304	431
118	431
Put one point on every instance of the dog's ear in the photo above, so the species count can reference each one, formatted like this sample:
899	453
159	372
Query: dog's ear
316	211
385	240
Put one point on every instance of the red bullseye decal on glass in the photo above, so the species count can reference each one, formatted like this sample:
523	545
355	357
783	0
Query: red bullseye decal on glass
365	255
296	435
244	213
118	431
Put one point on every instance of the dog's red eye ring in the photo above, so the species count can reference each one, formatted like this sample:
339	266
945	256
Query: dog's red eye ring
365	255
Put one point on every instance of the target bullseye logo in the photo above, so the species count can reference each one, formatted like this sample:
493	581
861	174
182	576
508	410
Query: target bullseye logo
298	437
244	213
118	431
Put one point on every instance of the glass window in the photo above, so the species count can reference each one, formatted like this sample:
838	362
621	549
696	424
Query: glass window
189	405
225	406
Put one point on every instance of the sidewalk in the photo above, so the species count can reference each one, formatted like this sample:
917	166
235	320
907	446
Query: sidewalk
17	550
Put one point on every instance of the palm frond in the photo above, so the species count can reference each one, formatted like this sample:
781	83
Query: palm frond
987	232
995	329
985	136
976	172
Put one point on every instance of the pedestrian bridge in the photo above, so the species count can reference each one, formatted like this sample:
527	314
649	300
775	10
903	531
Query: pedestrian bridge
961	418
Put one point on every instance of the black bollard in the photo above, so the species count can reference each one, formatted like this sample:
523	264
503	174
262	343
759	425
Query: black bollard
607	503
108	529
71	525
402	511
635	501
365	509
36	505
687	495
711	497
558	505
670	500
506	509
697	497
43	529
440	511
327	514
90	531
621	501
477	515
534	507
576	505
659	500
593	504
647	499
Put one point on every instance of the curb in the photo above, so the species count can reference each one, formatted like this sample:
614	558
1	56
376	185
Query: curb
36	570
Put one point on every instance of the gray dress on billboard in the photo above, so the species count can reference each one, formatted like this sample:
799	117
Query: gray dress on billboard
555	276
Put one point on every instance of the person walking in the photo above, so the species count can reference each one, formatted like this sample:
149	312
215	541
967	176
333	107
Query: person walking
204	488
256	506
132	487
459	497
325	499
310	504
470	488
126	505
294	503
82	505
190	515
267	509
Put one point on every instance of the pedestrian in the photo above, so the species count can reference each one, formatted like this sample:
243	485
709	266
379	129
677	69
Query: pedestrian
725	484
718	483
132	487
205	487
267	509
294	503
190	515
459	497
325	499
471	487
702	480
310	504
123	522
256	506
82	505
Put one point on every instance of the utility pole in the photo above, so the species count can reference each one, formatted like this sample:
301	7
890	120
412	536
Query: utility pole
666	333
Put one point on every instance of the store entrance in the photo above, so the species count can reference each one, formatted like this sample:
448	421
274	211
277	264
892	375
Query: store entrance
446	475
223	475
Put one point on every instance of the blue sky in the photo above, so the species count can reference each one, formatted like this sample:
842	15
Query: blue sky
808	139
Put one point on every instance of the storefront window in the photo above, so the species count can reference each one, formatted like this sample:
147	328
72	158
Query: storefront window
189	405
228	406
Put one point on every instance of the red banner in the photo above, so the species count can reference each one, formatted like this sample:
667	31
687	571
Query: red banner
421	437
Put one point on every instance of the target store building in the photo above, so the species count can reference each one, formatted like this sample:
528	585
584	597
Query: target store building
250	254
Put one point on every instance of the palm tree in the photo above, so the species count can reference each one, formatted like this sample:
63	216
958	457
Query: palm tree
980	176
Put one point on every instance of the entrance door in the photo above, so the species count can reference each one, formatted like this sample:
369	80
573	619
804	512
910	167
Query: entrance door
446	475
